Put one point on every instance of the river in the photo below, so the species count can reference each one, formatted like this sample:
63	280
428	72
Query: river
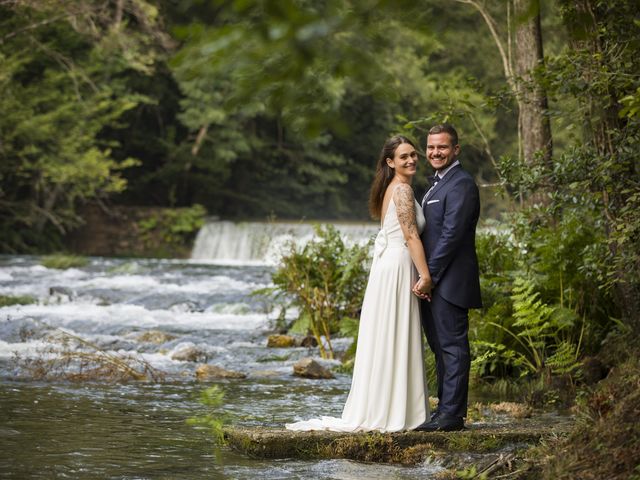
138	430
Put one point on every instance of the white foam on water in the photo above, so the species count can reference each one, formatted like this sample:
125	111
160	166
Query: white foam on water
203	348
134	283
24	349
225	262
125	315
142	283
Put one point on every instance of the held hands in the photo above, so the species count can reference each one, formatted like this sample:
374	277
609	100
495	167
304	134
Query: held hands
422	288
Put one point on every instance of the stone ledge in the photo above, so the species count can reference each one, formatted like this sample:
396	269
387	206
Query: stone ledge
401	447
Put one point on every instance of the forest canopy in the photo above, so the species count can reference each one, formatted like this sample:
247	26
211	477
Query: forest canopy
277	109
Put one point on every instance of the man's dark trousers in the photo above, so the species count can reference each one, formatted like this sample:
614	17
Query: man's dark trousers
446	327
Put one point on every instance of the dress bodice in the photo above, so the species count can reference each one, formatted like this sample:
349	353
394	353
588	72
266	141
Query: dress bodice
390	234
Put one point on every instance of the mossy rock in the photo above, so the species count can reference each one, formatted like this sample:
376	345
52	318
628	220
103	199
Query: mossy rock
401	447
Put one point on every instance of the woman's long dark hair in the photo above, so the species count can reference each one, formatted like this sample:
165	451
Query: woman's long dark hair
384	174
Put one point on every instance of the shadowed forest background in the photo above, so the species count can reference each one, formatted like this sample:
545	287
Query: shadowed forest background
250	109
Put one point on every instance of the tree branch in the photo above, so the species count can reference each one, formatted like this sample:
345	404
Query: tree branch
488	19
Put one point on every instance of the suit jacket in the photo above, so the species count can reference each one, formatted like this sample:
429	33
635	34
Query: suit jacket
451	209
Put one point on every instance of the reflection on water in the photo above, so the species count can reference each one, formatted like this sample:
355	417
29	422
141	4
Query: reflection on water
139	431
60	429
101	432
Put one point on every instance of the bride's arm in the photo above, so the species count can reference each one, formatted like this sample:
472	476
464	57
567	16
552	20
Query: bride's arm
406	209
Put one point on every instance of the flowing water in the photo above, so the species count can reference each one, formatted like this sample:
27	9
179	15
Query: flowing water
137	430
102	429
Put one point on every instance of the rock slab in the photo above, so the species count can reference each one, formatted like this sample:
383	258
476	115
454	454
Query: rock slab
401	447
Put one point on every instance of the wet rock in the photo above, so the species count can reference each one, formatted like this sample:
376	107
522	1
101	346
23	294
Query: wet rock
186	307
155	336
516	410
281	341
309	368
189	353
62	293
206	371
308	341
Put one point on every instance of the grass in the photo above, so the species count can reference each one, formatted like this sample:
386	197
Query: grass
6	300
63	261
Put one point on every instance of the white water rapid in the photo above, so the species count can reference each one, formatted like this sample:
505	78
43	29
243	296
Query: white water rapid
262	242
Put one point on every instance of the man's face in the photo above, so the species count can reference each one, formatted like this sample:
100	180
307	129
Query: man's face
440	152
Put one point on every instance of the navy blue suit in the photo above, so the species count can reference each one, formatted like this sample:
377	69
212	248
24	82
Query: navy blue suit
451	210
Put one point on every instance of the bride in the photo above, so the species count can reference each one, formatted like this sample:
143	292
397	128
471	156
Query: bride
388	390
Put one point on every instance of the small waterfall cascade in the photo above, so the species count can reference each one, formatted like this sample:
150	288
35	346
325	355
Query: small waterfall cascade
262	242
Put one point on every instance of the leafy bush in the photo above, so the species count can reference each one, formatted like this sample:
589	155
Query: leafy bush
326	280
168	230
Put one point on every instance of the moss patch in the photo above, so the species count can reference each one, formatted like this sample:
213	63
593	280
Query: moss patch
63	261
403	447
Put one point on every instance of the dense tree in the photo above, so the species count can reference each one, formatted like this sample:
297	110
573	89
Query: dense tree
601	70
64	79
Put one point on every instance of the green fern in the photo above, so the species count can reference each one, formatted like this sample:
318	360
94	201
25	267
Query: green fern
563	360
539	329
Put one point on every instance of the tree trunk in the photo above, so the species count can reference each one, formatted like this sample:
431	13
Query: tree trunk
118	15
533	122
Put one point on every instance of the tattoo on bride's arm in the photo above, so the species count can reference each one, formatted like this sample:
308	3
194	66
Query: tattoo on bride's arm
405	206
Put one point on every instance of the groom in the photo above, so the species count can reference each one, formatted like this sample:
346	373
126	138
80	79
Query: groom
451	207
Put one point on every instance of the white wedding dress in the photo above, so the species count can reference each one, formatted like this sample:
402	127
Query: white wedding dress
388	389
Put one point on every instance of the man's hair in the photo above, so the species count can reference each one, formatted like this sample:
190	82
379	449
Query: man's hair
445	128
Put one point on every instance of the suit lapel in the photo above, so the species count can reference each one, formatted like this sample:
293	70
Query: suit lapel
450	174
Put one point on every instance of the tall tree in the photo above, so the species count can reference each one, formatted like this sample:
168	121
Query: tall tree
520	48
533	120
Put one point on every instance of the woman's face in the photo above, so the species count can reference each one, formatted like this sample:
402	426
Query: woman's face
404	161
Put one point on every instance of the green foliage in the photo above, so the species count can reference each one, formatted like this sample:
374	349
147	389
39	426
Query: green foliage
471	473
213	399
63	261
326	280
63	83
316	110
169	230
541	308
7	300
539	327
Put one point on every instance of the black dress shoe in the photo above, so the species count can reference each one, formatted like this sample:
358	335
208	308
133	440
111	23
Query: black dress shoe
434	414
442	423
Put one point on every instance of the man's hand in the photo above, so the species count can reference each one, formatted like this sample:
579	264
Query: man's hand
422	288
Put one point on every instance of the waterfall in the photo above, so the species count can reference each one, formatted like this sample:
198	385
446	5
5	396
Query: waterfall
261	242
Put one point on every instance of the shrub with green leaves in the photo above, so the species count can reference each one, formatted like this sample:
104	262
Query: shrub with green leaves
325	279
168	230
